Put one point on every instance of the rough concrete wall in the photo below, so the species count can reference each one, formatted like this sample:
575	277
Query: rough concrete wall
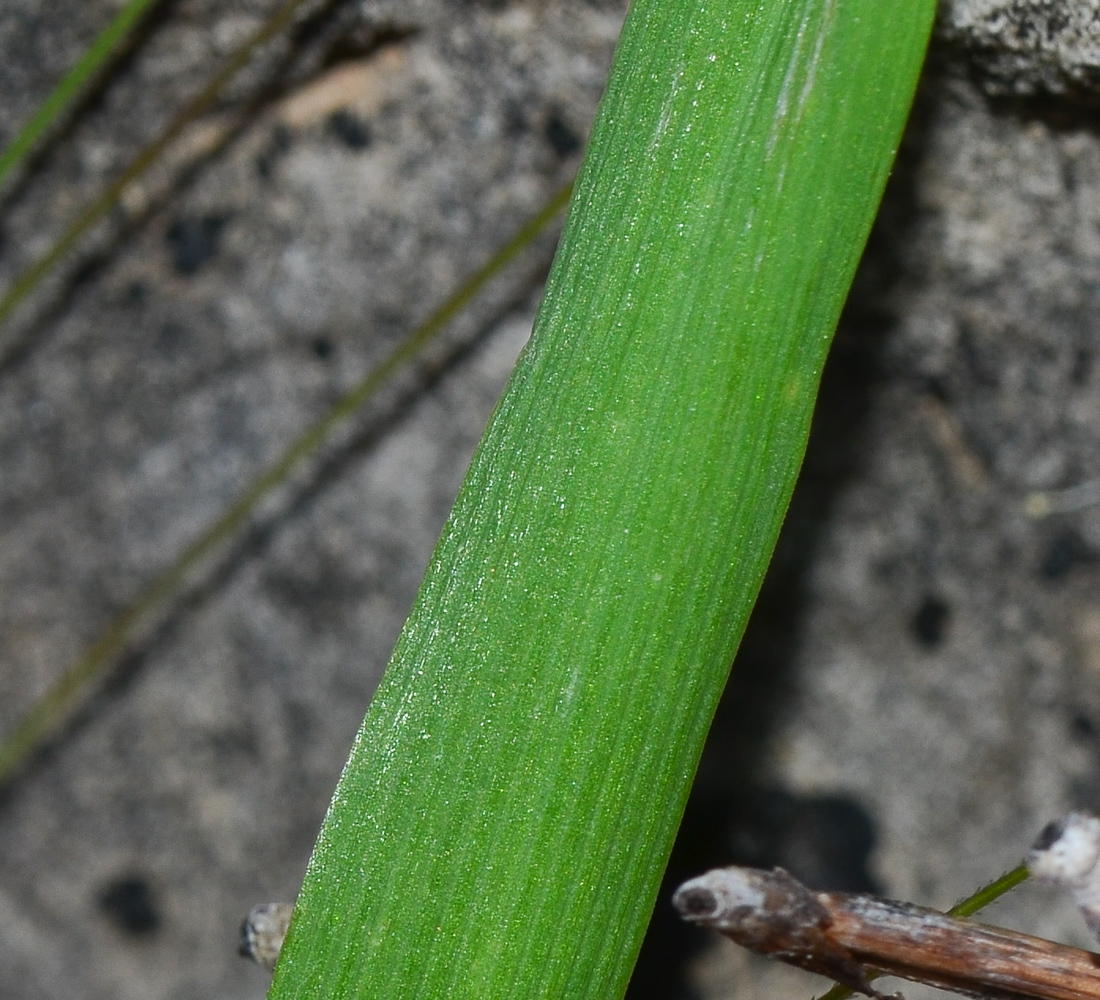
920	689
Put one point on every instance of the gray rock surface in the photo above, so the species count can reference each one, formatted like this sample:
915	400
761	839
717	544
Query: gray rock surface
1029	46
920	689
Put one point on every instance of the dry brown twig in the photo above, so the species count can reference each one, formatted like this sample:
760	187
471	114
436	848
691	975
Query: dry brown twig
853	938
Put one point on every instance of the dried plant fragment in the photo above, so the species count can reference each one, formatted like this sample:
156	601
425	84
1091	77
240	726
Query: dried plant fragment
853	938
263	931
1066	854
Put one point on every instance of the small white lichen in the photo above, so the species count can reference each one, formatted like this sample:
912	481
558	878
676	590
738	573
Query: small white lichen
1066	855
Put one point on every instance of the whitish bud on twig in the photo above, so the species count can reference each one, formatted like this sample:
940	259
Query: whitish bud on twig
1066	855
853	938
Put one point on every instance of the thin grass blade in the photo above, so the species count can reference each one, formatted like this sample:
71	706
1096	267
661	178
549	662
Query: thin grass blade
62	96
28	280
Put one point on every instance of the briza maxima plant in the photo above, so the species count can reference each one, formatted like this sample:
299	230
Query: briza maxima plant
502	824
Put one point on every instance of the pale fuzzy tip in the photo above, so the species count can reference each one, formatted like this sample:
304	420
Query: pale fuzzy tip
1067	850
720	895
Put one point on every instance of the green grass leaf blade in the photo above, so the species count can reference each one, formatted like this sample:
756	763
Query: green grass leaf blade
502	824
71	84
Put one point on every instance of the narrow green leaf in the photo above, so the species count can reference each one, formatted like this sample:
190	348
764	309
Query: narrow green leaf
989	893
502	824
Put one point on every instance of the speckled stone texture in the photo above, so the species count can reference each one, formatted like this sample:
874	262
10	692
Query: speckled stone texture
1029	46
919	691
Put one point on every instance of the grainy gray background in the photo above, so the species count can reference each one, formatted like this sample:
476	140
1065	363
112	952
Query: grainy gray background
920	689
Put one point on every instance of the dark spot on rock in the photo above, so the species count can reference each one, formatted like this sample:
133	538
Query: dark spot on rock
515	120
563	140
278	144
322	348
171	337
129	904
232	744
137	292
300	720
350	129
1082	366
1081	727
934	386
86	271
930	622
978	359
1064	551
194	241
